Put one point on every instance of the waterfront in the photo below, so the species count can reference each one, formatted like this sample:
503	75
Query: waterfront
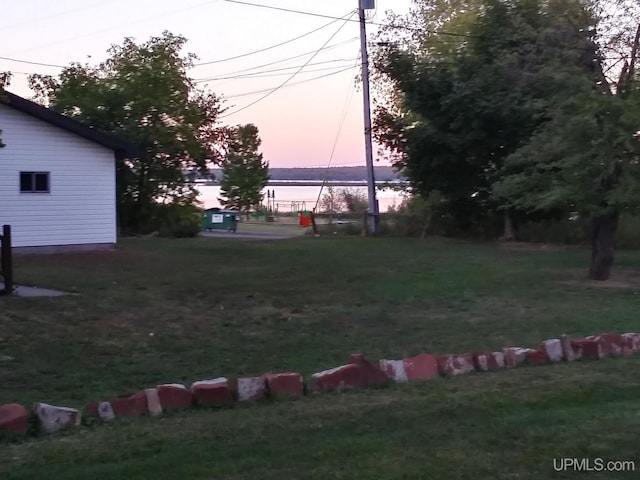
290	198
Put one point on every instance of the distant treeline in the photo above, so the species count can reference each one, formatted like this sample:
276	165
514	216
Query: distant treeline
383	174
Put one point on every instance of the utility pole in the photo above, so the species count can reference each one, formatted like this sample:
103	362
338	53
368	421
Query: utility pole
368	144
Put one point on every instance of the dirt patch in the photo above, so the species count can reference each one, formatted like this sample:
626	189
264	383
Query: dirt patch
620	278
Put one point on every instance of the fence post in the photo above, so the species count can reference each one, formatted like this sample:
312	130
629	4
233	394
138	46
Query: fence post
6	264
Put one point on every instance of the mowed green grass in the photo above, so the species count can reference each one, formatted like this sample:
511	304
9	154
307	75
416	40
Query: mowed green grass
159	311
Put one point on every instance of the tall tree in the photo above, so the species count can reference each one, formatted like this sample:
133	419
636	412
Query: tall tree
457	113
142	93
244	171
587	157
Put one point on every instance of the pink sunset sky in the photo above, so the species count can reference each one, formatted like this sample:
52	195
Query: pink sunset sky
298	123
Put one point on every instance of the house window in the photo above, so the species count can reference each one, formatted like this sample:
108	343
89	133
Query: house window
34	182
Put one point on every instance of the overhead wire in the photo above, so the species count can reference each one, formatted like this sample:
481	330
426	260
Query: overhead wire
276	45
330	47
256	92
274	90
31	63
265	72
282	73
343	117
314	14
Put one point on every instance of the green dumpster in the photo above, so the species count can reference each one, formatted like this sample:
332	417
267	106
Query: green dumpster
217	219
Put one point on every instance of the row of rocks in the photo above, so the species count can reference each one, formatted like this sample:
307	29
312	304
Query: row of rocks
358	372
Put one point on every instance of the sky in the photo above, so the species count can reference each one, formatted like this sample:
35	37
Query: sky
308	122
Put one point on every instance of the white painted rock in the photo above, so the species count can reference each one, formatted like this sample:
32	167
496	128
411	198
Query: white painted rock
568	354
105	411
153	402
553	348
631	343
251	388
514	356
53	418
394	369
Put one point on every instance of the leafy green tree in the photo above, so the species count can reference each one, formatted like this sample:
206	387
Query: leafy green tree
354	201
244	172
585	159
457	116
142	93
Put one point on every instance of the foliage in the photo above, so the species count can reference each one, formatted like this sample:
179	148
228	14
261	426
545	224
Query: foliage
244	171
585	159
347	200
458	116
330	201
142	93
179	221
415	215
353	200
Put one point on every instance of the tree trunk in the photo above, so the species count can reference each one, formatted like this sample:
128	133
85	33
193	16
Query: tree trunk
509	231
427	224
603	230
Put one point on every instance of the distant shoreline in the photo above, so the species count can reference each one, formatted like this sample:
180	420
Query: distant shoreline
336	174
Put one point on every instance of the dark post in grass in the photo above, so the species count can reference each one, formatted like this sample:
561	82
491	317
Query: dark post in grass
6	263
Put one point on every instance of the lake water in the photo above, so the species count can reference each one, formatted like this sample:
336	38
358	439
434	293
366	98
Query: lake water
293	198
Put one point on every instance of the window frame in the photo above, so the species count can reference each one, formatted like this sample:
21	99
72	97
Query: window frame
33	175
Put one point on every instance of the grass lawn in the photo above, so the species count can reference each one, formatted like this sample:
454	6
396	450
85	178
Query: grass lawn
161	311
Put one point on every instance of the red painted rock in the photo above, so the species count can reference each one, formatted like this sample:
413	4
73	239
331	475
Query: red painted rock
132	406
13	419
568	354
631	343
53	418
174	396
584	348
101	410
488	361
250	388
514	356
370	374
421	367
537	357
207	393
553	349
457	364
344	377
608	343
153	402
288	384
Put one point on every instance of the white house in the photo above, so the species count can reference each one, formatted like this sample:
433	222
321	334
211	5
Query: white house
57	179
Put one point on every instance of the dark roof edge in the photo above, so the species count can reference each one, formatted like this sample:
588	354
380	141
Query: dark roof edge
121	147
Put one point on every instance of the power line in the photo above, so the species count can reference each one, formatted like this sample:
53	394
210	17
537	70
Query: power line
265	73
285	86
378	24
294	74
276	45
335	45
31	63
343	117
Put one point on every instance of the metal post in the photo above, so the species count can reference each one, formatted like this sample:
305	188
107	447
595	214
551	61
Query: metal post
368	144
6	261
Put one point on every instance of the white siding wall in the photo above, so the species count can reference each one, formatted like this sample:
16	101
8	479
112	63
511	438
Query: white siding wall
80	208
